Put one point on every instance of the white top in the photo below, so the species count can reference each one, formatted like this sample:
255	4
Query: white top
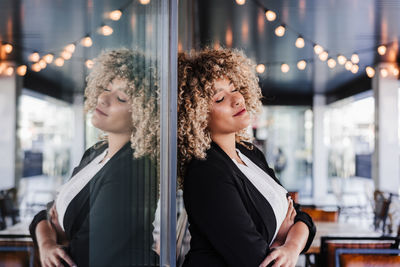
70	189
274	193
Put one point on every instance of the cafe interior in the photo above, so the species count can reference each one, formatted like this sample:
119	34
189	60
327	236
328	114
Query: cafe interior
329	126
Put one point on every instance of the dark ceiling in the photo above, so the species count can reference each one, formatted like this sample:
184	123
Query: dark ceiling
340	26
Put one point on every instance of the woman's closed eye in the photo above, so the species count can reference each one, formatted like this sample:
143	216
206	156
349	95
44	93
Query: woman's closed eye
122	100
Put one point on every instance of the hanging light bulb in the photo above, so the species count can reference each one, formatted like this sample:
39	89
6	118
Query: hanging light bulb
341	59
48	58
145	2
115	15
280	31
396	71
42	63
34	57
21	70
66	55
331	63
370	71
381	50
9	71
260	68
285	68
318	49
105	30
323	56
87	41
270	15
239	2
36	67
70	48
354	58
300	42
354	69
8	48
348	65
384	73
59	62
89	63
301	65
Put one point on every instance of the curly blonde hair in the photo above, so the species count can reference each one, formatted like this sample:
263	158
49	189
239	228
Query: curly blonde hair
142	89
197	72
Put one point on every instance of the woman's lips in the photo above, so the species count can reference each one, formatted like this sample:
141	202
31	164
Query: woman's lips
100	112
240	112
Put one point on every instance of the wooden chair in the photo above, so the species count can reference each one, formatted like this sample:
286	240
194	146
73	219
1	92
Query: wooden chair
345	257
330	244
15	253
321	215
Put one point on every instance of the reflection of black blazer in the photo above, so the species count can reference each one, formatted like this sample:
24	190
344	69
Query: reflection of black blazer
109	222
231	223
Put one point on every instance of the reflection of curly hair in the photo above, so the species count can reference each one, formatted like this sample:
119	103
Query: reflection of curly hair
196	74
139	71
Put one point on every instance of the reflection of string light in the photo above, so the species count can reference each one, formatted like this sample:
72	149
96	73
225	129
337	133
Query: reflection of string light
8	48
354	68
355	59
34	57
318	49
145	2
300	42
395	71
341	59
70	48
323	56
285	68
331	63
105	30
260	68
36	67
48	58
59	62
9	71
42	63
348	65
66	55
280	31
270	15
301	65
21	70
89	63
115	15
239	2
382	50
87	41
384	73
370	71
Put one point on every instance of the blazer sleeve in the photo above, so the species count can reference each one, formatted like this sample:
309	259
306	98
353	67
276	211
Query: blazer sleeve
216	209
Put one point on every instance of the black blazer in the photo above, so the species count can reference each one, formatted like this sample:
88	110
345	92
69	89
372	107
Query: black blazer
109	222
231	223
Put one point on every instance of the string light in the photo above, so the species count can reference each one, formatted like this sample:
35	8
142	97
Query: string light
239	2
36	67
34	57
115	15
370	71
395	71
9	71
318	49
66	55
87	41
70	48
331	63
301	65
59	62
285	68
270	15
354	58
42	63
348	65
280	31
105	30
89	63
323	56
145	2
21	70
48	58
384	73
382	50
260	68
8	48
300	42
354	69
341	59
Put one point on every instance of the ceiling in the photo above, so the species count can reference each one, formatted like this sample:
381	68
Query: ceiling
340	26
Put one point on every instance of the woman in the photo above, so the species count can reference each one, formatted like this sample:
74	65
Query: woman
239	213
102	216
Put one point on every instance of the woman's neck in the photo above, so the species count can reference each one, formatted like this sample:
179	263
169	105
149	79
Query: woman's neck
227	143
116	142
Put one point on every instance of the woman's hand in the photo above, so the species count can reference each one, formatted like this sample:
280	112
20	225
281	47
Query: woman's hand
285	226
284	256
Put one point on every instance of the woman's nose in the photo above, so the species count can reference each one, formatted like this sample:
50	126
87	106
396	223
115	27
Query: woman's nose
103	99
237	99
